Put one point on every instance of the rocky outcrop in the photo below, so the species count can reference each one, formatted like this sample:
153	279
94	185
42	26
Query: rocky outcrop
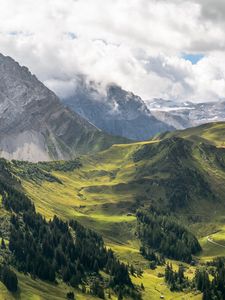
118	112
35	126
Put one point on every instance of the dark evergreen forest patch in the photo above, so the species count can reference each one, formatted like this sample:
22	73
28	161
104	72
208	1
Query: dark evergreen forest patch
166	236
56	249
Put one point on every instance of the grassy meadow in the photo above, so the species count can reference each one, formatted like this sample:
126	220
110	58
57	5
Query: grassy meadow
105	191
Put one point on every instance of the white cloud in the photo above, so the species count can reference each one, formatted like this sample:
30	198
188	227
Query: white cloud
138	44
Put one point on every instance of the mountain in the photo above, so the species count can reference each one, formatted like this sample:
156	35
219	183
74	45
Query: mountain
147	172
35	126
211	133
56	252
118	112
162	104
166	193
122	113
175	179
187	114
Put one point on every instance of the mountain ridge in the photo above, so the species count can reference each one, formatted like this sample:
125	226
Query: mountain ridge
172	180
187	114
35	126
116	111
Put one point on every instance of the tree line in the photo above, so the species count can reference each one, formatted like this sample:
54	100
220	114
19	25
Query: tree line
166	236
209	279
212	288
57	249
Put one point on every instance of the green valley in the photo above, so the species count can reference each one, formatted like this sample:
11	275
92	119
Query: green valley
180	174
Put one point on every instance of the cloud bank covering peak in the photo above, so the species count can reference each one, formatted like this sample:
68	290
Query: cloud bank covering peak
164	49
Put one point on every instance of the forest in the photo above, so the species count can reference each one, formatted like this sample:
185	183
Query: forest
165	235
209	279
52	250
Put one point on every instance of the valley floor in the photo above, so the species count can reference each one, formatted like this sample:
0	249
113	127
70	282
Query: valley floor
106	212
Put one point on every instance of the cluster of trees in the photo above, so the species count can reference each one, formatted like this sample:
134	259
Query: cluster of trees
48	250
215	288
97	289
65	166
166	236
211	288
34	172
16	201
9	278
154	258
42	170
185	182
6	175
70	296
176	279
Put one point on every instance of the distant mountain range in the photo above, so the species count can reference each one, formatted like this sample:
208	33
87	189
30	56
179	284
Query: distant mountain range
35	126
166	195
123	113
187	114
118	112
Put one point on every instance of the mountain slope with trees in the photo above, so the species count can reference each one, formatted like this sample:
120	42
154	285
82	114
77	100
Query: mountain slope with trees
55	250
172	183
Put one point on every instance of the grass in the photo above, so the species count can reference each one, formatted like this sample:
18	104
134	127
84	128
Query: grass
30	289
210	250
212	133
104	212
155	287
102	195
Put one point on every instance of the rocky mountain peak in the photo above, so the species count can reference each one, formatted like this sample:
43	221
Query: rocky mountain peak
126	103
34	125
118	112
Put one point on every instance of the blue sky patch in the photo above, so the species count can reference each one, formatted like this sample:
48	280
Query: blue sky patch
72	35
193	58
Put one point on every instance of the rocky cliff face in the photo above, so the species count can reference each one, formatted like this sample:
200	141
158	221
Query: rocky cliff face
35	126
118	112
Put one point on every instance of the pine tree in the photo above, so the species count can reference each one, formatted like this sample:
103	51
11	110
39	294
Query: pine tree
120	296
70	296
3	246
74	281
9	279
96	267
132	270
66	274
206	295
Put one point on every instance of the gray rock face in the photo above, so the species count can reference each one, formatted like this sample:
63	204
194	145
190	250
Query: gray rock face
34	125
187	114
118	112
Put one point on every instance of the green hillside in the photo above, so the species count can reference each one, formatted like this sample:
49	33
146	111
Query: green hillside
181	175
212	133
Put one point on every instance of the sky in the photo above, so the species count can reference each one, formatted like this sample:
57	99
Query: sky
155	48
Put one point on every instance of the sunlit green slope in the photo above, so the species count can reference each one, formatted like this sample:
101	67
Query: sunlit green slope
174	173
183	172
213	133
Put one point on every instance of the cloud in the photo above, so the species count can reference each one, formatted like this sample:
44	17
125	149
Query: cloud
213	10
138	44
